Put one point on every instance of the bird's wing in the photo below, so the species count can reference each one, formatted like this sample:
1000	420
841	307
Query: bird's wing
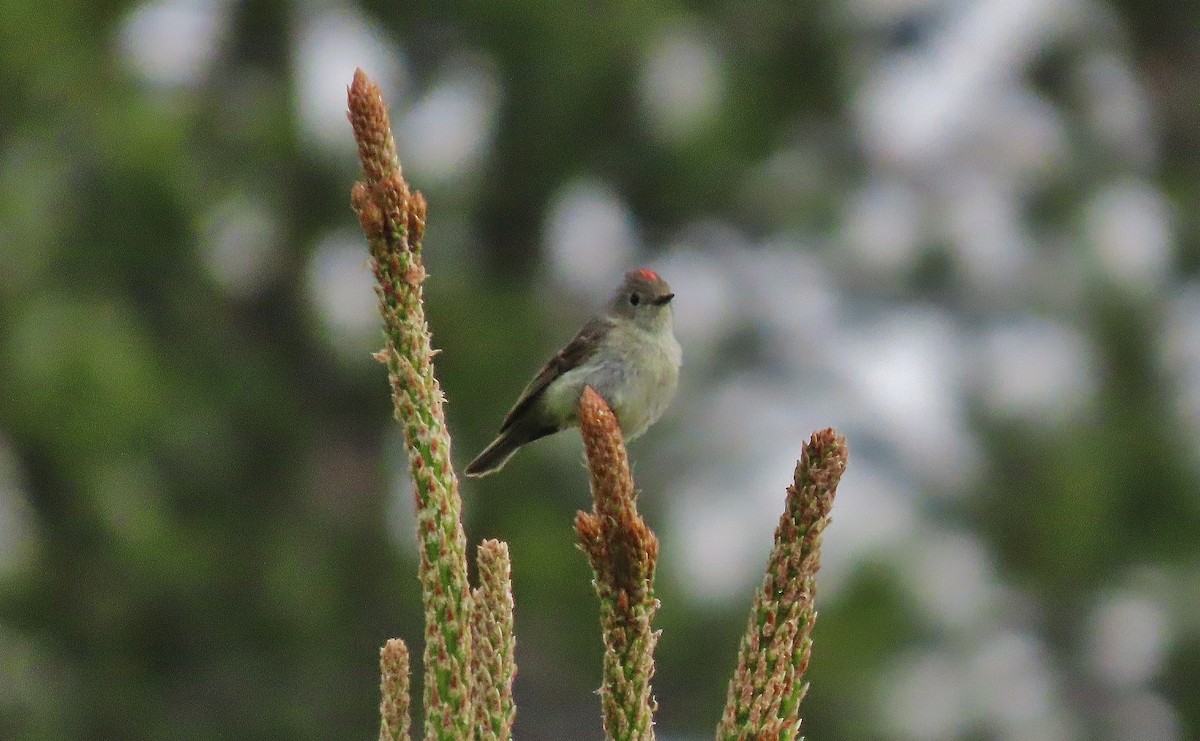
573	355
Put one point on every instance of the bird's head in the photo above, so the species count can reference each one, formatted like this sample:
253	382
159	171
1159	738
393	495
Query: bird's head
643	297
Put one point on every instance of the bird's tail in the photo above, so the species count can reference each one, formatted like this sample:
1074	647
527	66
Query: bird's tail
494	456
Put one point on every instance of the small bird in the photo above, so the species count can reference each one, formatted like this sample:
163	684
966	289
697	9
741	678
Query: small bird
629	355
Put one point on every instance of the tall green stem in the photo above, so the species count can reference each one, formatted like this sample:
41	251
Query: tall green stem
393	218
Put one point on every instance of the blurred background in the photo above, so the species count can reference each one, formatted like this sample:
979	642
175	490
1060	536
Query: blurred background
962	232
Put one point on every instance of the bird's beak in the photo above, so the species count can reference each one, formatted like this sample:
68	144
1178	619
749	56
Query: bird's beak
664	299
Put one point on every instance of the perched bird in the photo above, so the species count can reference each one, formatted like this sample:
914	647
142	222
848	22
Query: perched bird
629	355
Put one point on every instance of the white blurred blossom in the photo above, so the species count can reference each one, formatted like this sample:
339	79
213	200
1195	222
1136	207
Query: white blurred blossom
239	243
342	290
173	43
447	130
682	82
591	237
1035	369
1130	637
330	42
1129	225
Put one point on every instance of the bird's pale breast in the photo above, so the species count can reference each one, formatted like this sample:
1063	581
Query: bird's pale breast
636	371
641	386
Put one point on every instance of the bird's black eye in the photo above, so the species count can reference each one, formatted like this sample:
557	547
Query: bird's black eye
635	299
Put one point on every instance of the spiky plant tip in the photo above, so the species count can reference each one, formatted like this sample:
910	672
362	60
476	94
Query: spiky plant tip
368	117
768	685
493	666
623	553
814	484
393	688
614	535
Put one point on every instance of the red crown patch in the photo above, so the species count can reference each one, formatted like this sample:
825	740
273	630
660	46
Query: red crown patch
649	275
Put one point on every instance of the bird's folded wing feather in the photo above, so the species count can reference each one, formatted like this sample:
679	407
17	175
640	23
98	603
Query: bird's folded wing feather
576	353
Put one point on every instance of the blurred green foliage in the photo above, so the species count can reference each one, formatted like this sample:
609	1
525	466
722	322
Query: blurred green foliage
205	487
